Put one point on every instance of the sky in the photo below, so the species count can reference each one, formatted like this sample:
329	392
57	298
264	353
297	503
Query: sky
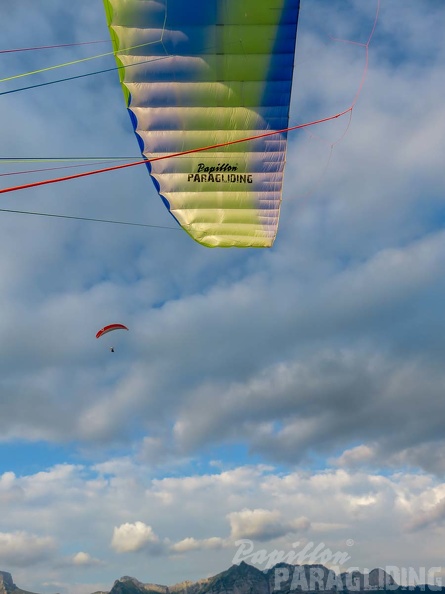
290	397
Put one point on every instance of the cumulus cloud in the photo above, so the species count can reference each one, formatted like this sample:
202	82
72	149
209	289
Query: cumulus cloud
263	524
434	515
21	549
192	544
84	559
129	538
355	457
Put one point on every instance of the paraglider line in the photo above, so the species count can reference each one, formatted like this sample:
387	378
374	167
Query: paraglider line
169	156
65	159
73	62
366	46
44	47
27	171
68	78
53	82
59	216
359	89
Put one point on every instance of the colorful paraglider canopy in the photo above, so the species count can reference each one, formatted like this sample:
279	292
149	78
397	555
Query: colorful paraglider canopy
110	328
214	74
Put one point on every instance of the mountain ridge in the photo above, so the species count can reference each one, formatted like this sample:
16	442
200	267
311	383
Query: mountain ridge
282	578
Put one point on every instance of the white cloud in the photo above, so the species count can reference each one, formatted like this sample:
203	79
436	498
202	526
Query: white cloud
128	538
84	559
21	549
264	524
192	544
355	457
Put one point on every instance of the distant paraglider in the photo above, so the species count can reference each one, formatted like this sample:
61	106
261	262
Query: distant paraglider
110	328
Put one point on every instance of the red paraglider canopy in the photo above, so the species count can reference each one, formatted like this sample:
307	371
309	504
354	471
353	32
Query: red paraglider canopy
109	328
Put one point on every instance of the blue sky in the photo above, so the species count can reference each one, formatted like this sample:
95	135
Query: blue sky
282	395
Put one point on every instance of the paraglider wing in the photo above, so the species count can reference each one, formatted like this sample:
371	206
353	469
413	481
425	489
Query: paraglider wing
109	328
200	73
